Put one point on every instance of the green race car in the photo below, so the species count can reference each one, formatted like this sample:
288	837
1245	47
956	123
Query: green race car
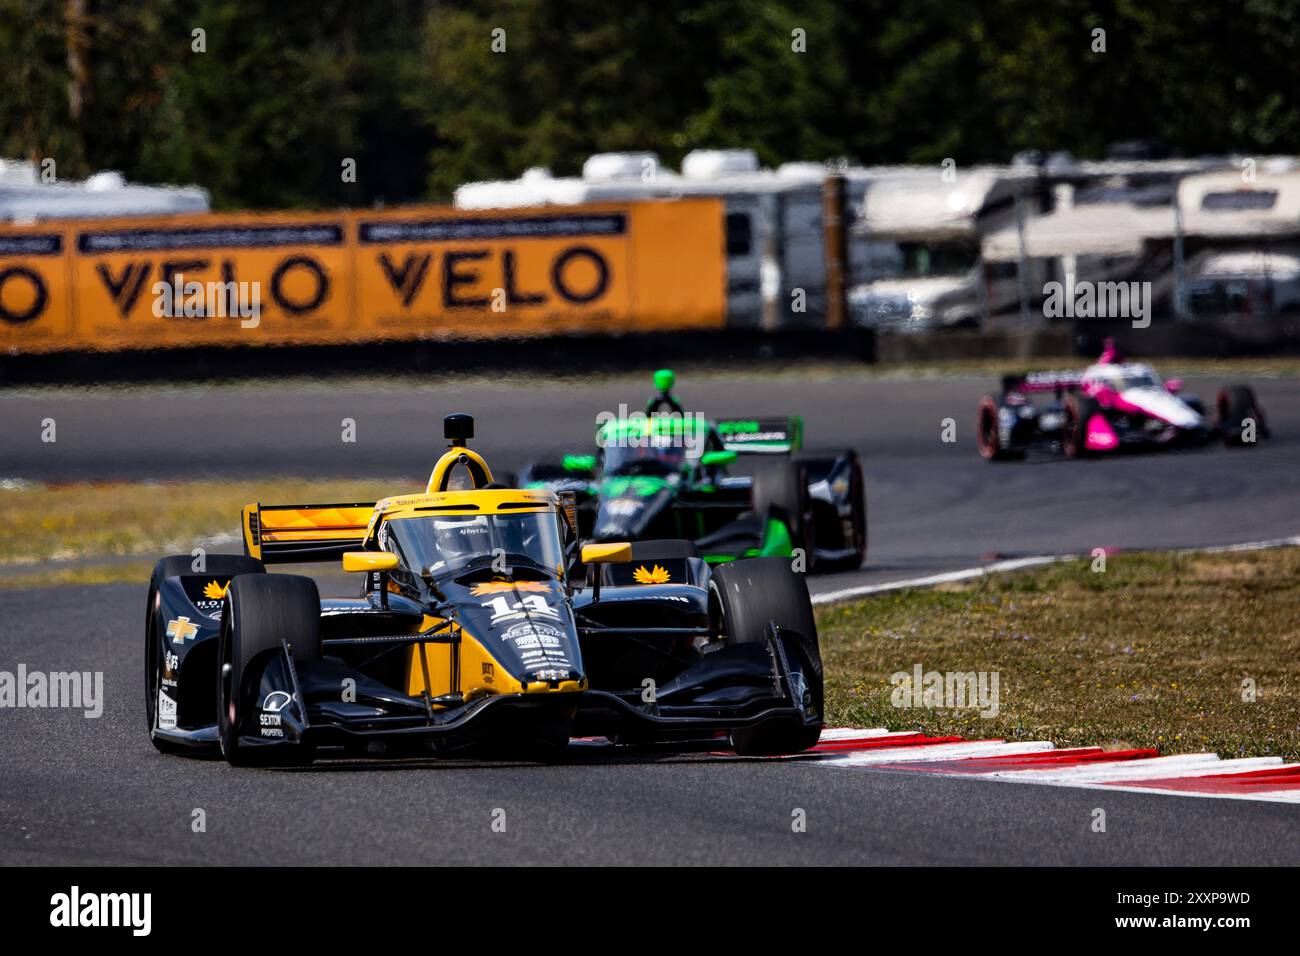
666	473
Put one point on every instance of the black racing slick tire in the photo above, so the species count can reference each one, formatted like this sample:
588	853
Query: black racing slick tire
987	438
781	492
261	612
217	565
1074	433
858	496
1237	406
830	530
744	598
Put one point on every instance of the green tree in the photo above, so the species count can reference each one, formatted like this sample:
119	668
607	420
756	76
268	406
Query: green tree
415	92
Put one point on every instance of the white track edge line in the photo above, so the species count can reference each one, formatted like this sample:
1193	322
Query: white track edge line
947	577
1015	564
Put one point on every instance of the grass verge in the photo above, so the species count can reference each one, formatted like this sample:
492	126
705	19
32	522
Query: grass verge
1152	651
48	527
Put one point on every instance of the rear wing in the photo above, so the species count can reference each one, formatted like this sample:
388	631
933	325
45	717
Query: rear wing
767	436
1057	381
285	534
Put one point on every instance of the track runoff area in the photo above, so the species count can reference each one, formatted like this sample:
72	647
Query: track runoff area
1142	770
909	482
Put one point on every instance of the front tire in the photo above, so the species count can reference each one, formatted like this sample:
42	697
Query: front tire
217	565
987	432
260	613
1236	405
745	597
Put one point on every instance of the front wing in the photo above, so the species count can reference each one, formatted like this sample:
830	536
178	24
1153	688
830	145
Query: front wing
734	687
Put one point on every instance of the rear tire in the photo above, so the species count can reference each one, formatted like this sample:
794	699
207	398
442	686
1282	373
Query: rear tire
821	464
781	492
219	566
260	612
1074	434
861	526
745	597
1236	404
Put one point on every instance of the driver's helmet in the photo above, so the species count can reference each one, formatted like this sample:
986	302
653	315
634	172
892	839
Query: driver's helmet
462	536
646	452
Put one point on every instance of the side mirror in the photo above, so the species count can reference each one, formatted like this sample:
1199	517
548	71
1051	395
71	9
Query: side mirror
1175	385
712	459
369	561
614	552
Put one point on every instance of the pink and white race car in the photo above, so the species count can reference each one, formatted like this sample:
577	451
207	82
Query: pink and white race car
1110	405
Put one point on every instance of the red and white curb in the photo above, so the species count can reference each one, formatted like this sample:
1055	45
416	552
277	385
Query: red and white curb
1040	762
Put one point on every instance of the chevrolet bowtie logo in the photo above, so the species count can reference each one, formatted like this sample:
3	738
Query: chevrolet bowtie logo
181	629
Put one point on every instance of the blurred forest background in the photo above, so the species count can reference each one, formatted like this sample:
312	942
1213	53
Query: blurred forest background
412	90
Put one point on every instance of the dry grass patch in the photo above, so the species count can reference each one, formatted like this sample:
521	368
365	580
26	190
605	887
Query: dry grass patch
89	520
1154	651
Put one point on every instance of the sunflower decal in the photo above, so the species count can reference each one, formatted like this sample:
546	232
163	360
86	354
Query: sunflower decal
215	591
655	575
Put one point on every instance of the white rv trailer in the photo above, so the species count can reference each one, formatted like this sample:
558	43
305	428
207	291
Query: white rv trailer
921	228
925	250
1232	204
1217	203
776	266
1222	210
776	260
26	197
1247	231
1246	283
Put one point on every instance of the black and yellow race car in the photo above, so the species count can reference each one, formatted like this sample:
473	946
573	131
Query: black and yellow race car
482	626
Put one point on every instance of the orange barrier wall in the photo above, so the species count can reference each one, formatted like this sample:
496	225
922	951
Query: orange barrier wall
406	273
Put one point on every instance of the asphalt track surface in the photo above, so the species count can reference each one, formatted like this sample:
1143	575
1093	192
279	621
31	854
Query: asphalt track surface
79	790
